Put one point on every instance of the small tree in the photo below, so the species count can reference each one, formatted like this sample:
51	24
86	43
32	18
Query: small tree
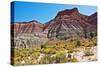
91	34
43	46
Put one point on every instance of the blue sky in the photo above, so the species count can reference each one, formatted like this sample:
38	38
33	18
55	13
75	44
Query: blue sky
43	12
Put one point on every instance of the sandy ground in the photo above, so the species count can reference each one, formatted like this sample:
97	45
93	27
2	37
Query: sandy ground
80	56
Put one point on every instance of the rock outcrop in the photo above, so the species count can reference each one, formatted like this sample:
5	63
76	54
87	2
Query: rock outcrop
27	27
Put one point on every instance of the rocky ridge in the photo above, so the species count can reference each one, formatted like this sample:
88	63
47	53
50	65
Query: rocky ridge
68	23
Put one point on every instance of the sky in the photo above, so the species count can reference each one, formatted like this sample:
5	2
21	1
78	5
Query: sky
43	12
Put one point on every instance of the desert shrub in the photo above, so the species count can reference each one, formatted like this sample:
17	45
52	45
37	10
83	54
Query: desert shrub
78	43
60	57
25	56
86	42
93	34
94	40
43	46
48	50
71	51
38	49
70	46
46	60
73	60
87	52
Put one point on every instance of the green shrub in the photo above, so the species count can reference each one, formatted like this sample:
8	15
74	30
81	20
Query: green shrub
46	60
74	60
78	43
48	50
60	57
88	53
28	55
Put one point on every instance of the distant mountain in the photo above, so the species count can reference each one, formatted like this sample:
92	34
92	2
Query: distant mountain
70	23
27	27
67	23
